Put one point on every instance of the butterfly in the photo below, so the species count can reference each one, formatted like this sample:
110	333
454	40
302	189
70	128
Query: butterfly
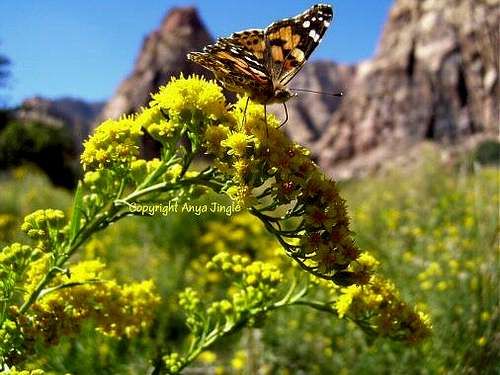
261	62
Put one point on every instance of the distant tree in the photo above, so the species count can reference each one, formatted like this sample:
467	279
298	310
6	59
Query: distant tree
4	71
48	147
4	75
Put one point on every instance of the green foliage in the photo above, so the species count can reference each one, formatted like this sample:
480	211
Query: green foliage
436	233
397	229
488	152
47	146
23	190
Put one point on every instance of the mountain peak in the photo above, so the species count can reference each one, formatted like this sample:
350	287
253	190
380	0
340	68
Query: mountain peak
163	55
182	17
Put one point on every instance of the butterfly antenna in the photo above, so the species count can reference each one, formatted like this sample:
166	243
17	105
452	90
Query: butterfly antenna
338	94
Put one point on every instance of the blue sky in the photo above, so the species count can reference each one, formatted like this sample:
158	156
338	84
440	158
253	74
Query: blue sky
85	48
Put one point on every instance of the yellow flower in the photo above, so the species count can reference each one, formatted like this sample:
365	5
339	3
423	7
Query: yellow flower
207	357
239	360
149	116
163	131
442	285
485	316
250	119
378	305
368	261
344	302
187	95
138	170
14	371
238	144
214	135
119	311
114	143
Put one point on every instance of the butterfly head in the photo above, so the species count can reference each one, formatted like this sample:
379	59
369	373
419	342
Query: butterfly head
281	95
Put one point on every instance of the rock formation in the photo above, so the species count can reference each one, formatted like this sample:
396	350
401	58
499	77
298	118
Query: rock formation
76	115
310	113
434	77
163	55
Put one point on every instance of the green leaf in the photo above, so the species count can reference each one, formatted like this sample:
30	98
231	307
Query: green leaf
77	212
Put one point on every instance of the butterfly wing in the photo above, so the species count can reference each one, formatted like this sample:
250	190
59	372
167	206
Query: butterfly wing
252	40
290	42
237	68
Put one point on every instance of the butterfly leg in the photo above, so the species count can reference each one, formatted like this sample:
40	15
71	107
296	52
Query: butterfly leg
165	114
245	112
265	120
286	116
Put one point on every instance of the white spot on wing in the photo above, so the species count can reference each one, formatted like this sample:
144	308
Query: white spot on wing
326	23
306	24
314	35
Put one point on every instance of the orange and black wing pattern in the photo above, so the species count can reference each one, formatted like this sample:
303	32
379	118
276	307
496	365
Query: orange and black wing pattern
236	67
290	42
257	61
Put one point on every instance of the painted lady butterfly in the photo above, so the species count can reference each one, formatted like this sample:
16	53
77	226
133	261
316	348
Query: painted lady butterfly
261	62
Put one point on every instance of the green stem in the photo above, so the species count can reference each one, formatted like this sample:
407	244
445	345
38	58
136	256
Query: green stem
321	306
222	331
59	263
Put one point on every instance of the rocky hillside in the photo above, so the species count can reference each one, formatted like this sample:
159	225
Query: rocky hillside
434	77
309	113
75	114
163	55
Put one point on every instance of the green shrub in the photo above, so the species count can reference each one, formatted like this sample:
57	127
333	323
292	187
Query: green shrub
46	146
487	152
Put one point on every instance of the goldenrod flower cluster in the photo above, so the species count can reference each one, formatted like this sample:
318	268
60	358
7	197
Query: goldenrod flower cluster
118	310
114	144
173	363
375	305
11	340
46	228
189	99
15	258
257	280
378	307
255	164
255	284
269	173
